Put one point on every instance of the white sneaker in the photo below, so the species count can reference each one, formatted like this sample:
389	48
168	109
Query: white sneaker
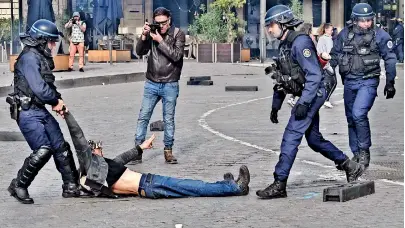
327	104
291	102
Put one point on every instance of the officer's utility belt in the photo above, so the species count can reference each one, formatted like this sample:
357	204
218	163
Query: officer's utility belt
18	103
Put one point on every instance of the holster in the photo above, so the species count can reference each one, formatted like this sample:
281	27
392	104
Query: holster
13	101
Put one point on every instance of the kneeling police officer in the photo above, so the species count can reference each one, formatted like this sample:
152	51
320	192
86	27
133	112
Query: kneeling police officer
33	89
299	72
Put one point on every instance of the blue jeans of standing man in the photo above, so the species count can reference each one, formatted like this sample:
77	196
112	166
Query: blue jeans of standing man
359	97
155	187
153	92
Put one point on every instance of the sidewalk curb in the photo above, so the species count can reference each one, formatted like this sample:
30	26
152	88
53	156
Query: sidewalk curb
88	81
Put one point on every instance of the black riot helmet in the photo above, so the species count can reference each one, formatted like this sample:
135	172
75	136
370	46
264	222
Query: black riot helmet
283	17
40	33
362	11
44	30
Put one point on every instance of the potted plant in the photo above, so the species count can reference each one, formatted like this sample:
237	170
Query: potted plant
216	30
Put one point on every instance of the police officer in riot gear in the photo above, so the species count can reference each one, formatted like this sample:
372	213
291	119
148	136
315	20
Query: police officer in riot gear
357	51
33	89
299	73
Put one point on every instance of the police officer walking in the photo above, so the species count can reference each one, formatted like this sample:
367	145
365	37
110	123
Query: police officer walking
357	51
33	89
299	73
398	37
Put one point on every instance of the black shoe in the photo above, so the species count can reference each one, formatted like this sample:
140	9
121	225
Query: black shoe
364	158
229	177
353	170
243	180
70	69
70	190
21	194
273	191
81	70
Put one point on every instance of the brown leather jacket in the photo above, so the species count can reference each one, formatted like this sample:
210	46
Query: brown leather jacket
166	58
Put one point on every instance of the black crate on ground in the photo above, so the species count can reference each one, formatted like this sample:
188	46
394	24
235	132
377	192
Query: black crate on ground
346	192
157	126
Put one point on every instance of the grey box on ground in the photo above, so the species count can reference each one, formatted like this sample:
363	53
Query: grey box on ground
241	88
157	126
207	83
200	78
346	192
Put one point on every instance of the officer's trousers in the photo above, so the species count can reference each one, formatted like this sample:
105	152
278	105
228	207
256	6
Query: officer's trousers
40	128
359	97
294	132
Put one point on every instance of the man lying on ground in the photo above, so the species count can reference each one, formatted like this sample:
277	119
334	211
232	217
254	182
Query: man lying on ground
103	176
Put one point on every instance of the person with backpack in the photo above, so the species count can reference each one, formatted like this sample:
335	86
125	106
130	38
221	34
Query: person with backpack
78	28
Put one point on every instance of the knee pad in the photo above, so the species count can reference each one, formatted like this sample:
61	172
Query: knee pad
41	156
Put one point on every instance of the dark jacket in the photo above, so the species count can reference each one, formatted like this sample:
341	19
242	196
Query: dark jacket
166	58
33	77
94	167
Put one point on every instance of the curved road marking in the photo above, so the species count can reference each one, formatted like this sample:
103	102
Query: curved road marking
203	123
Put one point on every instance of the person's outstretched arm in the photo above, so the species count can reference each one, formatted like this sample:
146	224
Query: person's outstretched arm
129	155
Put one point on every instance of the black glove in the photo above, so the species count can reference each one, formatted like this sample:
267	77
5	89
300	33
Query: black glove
301	111
273	116
389	90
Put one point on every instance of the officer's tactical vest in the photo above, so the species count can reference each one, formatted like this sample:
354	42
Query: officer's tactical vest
293	78
361	57
21	87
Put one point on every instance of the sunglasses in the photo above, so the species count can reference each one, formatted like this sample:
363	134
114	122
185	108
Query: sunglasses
162	23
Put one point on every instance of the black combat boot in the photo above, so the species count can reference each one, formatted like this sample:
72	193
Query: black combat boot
66	166
364	158
273	191
353	170
355	158
19	186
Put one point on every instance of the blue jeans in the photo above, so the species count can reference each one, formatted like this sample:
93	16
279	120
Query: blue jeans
309	127
155	187
153	92
40	128
359	96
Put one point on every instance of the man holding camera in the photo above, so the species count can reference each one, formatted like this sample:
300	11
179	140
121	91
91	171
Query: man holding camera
76	40
166	46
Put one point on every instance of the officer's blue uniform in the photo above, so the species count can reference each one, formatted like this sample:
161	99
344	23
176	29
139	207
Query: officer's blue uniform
37	125
314	94
398	38
360	91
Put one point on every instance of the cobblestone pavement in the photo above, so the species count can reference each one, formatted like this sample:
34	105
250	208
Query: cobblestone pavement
216	132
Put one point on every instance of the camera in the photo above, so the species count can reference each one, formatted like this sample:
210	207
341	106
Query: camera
73	20
154	27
